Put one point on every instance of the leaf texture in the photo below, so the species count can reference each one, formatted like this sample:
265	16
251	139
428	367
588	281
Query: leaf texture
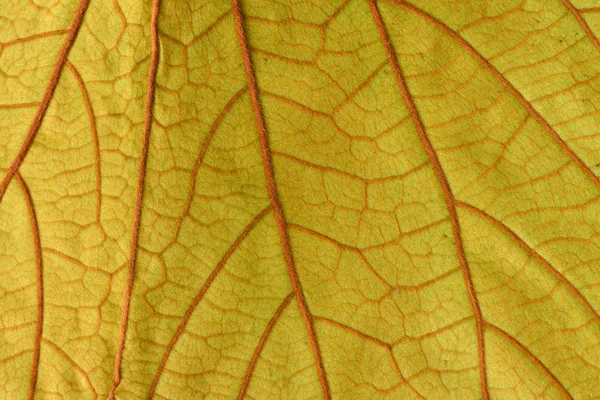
300	199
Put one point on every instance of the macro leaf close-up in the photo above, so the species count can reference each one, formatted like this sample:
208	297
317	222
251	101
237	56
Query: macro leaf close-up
299	199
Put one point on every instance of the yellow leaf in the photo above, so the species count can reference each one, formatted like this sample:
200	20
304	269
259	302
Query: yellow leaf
300	199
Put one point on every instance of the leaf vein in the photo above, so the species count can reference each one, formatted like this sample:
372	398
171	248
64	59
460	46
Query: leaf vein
40	284
581	21
532	252
509	86
531	356
95	139
154	58
207	284
274	196
45	103
261	344
443	180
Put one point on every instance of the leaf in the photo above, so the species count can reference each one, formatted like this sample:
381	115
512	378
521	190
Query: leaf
285	199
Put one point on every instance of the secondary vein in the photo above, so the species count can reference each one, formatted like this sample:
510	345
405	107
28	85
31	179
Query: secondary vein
443	180
154	57
43	107
274	197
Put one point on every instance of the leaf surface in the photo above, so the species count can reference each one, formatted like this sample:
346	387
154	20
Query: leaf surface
285	199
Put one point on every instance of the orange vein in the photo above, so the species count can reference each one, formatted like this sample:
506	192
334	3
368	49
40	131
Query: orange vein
33	37
343	247
74	365
43	107
582	23
396	367
40	284
355	332
589	10
261	345
202	153
90	112
388	348
139	196
532	252
531	356
188	313
18	105
448	195
524	102
274	196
